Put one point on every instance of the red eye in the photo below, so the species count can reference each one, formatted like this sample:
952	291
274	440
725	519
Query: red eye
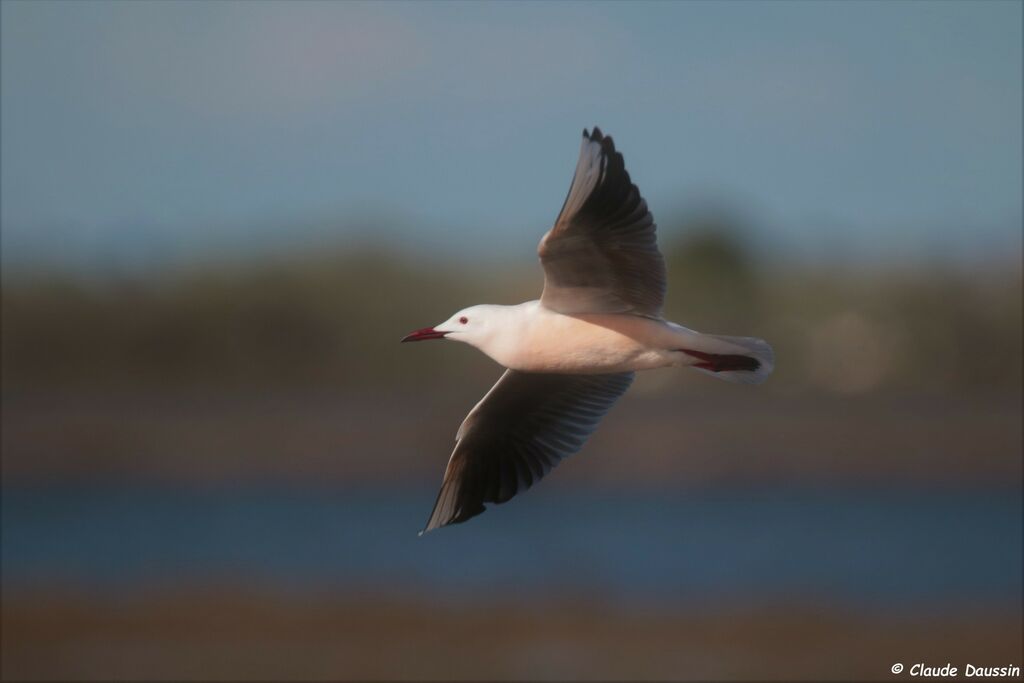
463	320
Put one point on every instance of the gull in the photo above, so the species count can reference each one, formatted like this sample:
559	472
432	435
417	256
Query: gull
571	354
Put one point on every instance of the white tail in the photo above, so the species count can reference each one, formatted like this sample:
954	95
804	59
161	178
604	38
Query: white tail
745	360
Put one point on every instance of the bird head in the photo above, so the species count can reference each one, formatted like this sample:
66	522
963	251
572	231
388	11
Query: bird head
470	325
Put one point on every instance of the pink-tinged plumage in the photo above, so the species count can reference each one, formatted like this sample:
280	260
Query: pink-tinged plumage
573	352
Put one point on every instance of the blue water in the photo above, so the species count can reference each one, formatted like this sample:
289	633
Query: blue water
892	548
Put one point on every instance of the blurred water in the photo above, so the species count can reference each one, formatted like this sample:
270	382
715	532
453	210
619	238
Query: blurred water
876	548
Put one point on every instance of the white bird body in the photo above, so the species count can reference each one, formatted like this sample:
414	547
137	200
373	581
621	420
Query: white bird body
530	337
589	343
572	353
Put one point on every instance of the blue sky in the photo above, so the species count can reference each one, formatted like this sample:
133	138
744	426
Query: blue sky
137	130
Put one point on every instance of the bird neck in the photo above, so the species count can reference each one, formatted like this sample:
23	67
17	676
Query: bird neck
506	326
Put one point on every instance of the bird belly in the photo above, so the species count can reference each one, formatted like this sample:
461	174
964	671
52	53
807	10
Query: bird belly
586	344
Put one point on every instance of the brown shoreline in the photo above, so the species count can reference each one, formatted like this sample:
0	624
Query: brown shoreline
233	633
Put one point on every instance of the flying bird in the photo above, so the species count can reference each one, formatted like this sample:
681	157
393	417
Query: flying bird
571	354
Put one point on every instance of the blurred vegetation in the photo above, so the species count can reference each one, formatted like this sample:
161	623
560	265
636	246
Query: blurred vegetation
332	320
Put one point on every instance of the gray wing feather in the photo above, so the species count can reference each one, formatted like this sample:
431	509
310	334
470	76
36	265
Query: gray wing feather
525	425
602	254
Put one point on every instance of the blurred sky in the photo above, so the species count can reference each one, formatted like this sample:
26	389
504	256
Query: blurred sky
144	129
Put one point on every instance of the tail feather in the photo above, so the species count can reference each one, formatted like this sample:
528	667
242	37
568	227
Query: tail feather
745	360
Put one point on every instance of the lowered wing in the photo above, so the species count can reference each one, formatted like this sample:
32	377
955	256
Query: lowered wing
525	425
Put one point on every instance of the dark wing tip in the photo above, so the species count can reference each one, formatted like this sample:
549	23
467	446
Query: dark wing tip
458	518
453	506
606	142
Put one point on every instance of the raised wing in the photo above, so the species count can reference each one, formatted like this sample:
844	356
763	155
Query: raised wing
602	254
521	429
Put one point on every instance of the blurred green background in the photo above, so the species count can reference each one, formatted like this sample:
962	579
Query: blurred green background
218	221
